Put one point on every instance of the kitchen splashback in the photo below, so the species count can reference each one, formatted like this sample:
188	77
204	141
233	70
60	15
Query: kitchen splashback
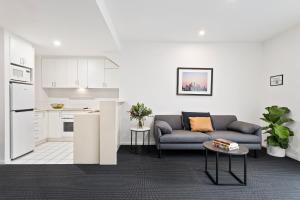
86	94
76	98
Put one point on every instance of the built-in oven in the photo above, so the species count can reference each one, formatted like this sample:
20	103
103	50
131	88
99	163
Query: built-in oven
20	74
67	125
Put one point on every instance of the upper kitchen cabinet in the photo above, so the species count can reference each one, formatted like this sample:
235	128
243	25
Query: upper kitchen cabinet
95	73
111	74
111	78
91	73
21	52
59	73
82	70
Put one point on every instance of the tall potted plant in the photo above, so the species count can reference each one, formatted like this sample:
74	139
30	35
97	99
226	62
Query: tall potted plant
139	112
278	139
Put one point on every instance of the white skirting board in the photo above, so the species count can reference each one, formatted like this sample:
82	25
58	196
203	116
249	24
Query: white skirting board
293	155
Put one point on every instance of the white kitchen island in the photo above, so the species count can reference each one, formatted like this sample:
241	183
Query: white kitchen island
96	135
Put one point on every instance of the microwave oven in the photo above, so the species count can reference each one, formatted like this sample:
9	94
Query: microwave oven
21	74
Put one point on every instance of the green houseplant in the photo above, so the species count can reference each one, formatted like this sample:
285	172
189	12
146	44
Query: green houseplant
278	138
139	112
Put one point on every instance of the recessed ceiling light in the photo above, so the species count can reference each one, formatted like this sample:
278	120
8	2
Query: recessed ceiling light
57	43
201	32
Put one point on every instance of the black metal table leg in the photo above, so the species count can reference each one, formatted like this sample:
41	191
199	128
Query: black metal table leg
143	139
245	169
217	168
130	140
148	140
135	142
229	156
216	180
206	160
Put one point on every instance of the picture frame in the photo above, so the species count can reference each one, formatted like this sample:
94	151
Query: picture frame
195	81
276	80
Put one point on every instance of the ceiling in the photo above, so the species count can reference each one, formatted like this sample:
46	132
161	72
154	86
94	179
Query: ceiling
223	20
86	27
78	24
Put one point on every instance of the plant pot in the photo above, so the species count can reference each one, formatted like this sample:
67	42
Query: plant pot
276	151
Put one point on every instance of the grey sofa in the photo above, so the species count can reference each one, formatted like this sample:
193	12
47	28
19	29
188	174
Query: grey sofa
187	140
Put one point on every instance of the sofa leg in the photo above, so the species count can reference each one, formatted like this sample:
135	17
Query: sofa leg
255	154
159	153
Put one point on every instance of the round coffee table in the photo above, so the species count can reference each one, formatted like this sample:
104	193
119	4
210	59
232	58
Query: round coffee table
242	151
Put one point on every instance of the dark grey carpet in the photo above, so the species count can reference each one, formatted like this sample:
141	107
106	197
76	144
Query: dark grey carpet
178	175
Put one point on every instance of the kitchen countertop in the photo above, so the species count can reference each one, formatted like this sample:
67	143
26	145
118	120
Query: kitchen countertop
65	109
89	113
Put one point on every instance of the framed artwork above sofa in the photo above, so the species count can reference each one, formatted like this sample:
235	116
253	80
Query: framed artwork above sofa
195	81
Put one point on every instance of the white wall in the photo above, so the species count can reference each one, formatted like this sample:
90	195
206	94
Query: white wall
281	56
148	74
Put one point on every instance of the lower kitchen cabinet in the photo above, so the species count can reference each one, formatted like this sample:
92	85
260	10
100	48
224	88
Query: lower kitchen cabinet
54	125
40	127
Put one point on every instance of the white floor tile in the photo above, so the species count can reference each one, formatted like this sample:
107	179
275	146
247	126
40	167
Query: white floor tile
49	153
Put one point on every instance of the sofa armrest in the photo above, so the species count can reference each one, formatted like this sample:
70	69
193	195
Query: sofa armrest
157	134
258	133
243	127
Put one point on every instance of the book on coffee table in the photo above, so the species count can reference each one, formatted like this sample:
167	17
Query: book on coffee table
225	144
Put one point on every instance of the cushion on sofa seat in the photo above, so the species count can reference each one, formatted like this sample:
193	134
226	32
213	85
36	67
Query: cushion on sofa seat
243	127
201	124
186	120
235	136
184	136
164	127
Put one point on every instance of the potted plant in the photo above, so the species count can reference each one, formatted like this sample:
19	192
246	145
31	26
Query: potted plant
279	134
139	112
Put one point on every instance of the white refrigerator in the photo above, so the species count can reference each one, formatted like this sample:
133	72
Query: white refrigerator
21	119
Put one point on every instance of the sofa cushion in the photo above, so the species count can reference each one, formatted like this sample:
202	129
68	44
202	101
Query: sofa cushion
164	127
184	136
220	122
243	127
235	136
173	120
186	120
201	124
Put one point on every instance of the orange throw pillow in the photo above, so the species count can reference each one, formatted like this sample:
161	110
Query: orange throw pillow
201	124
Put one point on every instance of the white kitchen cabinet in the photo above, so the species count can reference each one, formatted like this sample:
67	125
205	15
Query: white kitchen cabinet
82	70
54	125
68	74
95	73
21	52
40	127
48	72
59	73
79	73
111	78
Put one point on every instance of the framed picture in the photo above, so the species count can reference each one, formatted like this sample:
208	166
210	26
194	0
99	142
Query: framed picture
276	80
195	81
